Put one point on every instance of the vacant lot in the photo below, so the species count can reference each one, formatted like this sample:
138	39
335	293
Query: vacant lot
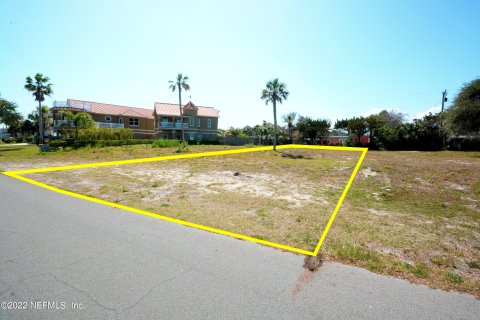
414	215
284	197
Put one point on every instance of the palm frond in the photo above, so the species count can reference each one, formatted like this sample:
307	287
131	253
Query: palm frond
39	78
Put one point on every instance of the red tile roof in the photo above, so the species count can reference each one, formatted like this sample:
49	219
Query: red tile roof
110	109
170	109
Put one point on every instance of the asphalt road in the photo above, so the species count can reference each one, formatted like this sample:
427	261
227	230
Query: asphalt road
95	262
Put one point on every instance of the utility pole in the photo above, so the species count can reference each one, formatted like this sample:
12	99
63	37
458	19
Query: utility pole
444	99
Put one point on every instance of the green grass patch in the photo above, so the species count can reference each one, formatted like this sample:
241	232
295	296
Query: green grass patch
454	278
161	143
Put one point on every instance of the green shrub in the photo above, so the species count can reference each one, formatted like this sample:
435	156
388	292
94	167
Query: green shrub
453	277
165	143
68	144
104	134
9	140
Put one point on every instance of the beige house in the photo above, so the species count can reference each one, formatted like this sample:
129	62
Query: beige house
140	120
199	123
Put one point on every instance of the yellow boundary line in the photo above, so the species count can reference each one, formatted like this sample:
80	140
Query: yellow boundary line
18	175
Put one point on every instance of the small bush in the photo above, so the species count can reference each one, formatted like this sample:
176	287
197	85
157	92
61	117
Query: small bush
9	140
165	143
183	147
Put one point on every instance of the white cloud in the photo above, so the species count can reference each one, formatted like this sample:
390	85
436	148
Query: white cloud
422	114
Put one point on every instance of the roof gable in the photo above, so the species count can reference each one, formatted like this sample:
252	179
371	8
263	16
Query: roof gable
190	106
170	109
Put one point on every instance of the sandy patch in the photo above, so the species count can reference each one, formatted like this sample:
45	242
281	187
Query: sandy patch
368	172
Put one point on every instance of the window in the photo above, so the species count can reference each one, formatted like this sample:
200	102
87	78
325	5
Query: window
209	123
192	121
199	137
198	122
192	136
120	120
108	118
134	121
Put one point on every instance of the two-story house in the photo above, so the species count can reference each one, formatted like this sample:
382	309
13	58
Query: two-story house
199	123
140	120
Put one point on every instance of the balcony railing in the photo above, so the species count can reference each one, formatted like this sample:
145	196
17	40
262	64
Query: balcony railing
60	123
64	104
110	125
172	125
60	104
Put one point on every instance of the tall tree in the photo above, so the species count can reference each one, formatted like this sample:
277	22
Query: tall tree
355	126
8	113
312	130
40	88
79	120
289	119
390	118
464	115
373	123
275	91
180	83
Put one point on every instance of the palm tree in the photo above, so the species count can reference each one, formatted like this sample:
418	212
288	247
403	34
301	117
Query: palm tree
180	82
8	113
275	91
289	119
40	89
80	120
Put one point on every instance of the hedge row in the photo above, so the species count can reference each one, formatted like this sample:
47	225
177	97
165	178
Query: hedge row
95	134
67	144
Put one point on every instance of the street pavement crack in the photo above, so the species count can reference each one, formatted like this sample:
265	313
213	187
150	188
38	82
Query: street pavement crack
87	294
156	286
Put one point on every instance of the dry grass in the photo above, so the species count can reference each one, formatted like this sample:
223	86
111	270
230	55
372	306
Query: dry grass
414	215
261	194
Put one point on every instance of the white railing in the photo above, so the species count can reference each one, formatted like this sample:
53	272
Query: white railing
172	125
59	123
60	104
110	125
64	104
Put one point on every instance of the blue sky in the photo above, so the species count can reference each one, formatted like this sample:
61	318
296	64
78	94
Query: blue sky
338	58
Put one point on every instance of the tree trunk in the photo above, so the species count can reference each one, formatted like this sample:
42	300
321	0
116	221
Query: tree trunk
40	123
274	125
76	134
181	112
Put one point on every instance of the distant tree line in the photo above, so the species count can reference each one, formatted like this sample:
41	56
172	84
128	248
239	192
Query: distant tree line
388	129
296	129
460	124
